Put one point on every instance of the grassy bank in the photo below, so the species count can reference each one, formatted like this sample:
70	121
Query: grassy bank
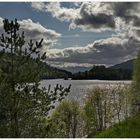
129	128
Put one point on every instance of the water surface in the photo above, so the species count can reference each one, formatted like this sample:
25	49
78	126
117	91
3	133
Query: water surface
79	88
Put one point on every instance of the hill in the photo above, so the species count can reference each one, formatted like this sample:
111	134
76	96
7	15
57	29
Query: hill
104	73
124	65
76	69
122	71
47	71
129	128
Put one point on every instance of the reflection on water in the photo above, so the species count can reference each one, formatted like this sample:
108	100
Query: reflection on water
79	88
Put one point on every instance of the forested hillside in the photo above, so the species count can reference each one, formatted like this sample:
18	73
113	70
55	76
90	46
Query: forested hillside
47	71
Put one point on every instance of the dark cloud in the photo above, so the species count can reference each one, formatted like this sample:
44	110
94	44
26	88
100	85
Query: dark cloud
94	16
105	18
128	11
122	17
96	21
107	51
125	10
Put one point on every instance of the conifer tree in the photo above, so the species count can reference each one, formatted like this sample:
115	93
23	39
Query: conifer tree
23	104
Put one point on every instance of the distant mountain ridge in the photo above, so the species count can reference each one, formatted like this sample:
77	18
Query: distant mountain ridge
76	69
124	65
122	71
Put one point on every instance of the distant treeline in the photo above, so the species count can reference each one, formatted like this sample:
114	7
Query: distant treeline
103	73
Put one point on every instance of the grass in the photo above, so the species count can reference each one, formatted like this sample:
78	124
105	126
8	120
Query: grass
129	128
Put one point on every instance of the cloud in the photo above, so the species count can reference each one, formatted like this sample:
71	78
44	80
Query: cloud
97	16
122	17
36	31
94	16
57	11
89	15
106	51
61	13
105	16
68	52
70	65
39	6
129	11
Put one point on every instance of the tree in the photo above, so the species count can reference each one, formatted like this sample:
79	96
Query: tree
23	104
104	107
65	120
136	86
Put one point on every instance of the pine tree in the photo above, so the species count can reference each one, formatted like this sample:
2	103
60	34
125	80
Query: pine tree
23	104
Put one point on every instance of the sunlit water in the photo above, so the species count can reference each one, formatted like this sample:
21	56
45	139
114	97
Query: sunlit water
79	88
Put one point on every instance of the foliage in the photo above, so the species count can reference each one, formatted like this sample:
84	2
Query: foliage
136	86
125	103
104	107
46	71
23	104
65	120
130	128
49	72
26	108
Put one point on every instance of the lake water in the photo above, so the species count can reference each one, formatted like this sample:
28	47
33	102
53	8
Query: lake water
79	88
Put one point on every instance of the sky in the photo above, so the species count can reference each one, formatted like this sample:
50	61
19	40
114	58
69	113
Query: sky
79	34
